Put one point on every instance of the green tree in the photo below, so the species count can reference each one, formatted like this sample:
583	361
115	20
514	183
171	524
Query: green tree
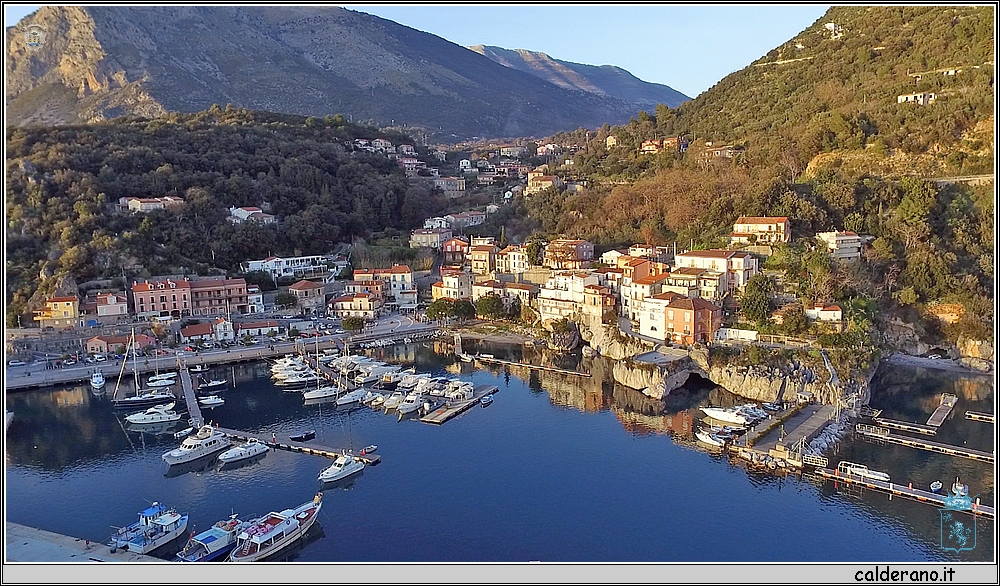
533	248
794	320
262	279
755	303
440	308
286	299
353	324
464	310
490	306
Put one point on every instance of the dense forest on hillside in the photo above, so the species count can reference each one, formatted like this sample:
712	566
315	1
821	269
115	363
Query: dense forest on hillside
63	186
825	142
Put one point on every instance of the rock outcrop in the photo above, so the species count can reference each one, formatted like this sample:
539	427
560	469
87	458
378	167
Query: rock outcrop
976	354
608	340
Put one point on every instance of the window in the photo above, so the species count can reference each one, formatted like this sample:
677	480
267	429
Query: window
670	314
687	317
173	298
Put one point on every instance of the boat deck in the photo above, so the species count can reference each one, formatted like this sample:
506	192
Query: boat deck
446	412
906	491
948	403
313	450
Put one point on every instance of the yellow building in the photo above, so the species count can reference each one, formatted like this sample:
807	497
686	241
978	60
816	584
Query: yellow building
59	312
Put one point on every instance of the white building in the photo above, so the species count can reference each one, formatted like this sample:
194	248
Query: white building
250	214
738	266
842	245
255	299
567	286
291	267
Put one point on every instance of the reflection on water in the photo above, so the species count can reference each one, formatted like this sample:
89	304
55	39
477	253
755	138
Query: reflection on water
69	446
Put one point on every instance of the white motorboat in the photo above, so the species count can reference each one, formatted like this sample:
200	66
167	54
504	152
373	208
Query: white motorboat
198	368
162	376
156	414
375	374
411	403
146	399
218	541
959	489
270	534
727	415
753	411
391	380
97	380
156	527
213	384
709	438
298	380
207	441
409	381
459	391
183	433
352	397
211	401
378	400
322	393
253	447
393	400
466	357
342	467
163	382
862	471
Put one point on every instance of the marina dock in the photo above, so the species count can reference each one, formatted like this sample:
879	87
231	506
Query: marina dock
948	403
882	435
190	397
27	544
490	360
302	448
447	411
906	426
906	491
978	416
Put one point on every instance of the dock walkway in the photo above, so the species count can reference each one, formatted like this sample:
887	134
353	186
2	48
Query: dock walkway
302	448
900	490
906	426
27	544
191	397
978	416
948	403
490	360
883	435
447	411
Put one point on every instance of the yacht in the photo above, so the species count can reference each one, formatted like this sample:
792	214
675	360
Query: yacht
344	466
391	380
322	393
163	382
459	391
411	403
147	399
727	415
375	374
352	397
156	414
156	527
218	541
298	380
862	471
163	376
393	400
253	447
270	534
207	441
97	380
409	381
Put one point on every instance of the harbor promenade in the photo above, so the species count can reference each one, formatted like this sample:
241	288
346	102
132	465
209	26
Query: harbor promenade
27	544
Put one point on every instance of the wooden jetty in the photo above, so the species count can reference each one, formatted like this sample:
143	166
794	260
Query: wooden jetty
948	403
883	435
979	416
302	448
449	410
190	396
905	491
906	425
490	360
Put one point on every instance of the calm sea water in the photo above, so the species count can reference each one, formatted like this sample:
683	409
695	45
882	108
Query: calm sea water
559	469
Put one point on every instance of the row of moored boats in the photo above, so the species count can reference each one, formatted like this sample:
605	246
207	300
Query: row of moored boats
738	419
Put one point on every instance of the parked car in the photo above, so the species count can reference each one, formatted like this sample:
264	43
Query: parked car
934	356
69	362
188	349
100	358
17	363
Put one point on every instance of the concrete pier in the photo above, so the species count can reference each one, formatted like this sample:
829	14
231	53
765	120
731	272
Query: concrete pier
27	544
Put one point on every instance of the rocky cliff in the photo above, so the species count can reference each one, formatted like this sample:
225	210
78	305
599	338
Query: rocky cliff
103	61
608	340
976	354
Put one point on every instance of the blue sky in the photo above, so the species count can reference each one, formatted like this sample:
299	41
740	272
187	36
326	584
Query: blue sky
689	48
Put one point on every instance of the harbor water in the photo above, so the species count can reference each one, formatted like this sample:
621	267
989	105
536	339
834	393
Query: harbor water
558	468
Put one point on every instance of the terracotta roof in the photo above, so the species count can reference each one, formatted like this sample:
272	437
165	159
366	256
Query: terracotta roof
483	248
694	304
343	299
708	253
832	308
521	286
62	299
196	330
439	284
493	284
688	271
761	219
606	270
206	283
305	285
635	262
651	279
400	269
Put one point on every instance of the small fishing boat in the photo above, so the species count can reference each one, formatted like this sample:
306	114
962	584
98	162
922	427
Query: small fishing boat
97	380
214	543
487	400
156	527
304	436
368	449
465	358
253	447
211	401
198	368
183	433
213	384
709	438
268	535
377	400
959	489
936	487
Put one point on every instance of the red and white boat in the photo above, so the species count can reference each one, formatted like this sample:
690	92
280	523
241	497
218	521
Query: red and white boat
270	534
